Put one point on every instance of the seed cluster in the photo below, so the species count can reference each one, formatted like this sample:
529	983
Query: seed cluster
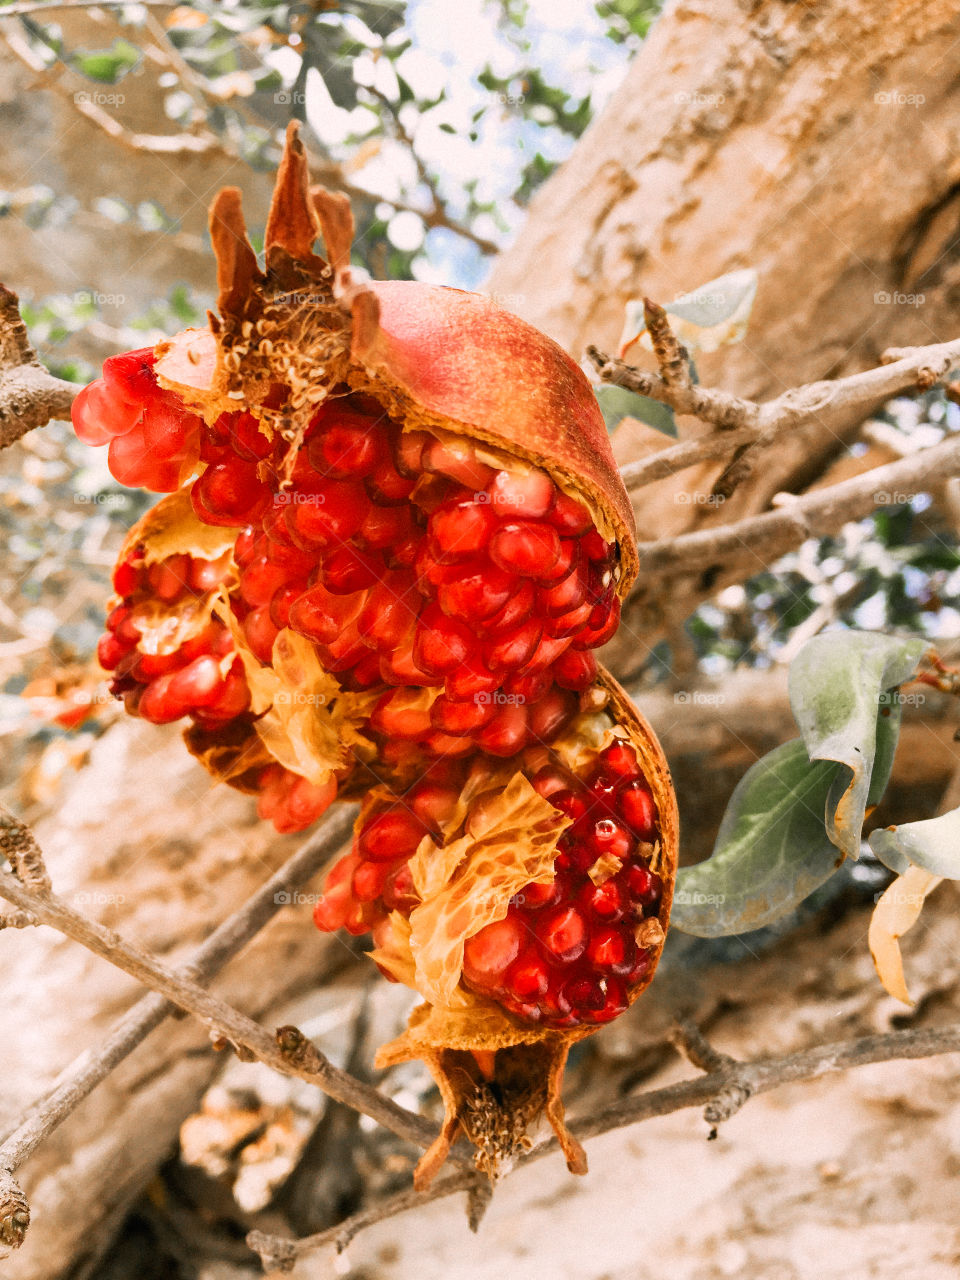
467	591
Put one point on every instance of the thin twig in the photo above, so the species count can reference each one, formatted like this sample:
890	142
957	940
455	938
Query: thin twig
29	395
757	541
718	1091
288	1050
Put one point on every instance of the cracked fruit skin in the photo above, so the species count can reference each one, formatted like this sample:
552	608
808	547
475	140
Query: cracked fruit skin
394	538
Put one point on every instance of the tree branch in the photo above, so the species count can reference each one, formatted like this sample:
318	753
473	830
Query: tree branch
722	1091
740	422
29	395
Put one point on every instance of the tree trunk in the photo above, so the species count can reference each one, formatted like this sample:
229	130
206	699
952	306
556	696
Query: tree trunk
815	143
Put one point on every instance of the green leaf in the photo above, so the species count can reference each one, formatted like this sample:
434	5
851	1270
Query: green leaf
616	403
107	65
837	683
771	852
714	315
933	845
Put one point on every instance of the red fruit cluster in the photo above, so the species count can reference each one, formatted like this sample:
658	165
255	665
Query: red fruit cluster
566	953
410	561
163	681
154	441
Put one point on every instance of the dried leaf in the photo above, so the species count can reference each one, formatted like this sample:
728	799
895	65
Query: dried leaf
897	912
469	884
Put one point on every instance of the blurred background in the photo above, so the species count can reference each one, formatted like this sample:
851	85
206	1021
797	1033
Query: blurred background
566	156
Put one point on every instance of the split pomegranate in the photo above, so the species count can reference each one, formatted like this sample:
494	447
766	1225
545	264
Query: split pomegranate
419	540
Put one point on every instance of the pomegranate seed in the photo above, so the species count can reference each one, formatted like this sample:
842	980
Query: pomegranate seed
229	493
384	527
639	812
566	562
603	900
459	718
620	760
614	1003
242	430
600	629
447	744
321	616
130	376
550	714
349	448
441	643
389	612
346	569
99	414
571	803
529	687
399	893
540	895
513	649
260	633
563	933
527	979
460	528
283	602
397	714
575	670
392	833
432	802
570	624
570	516
408	453
507	733
479	592
607	836
524	547
458	461
471	680
109	651
531	495
332	512
491	951
260	580
386	485
563	596
369	879
585	995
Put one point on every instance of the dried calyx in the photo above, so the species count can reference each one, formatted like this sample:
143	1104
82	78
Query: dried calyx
394	536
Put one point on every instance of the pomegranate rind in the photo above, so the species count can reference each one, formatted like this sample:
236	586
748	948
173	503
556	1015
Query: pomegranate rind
171	528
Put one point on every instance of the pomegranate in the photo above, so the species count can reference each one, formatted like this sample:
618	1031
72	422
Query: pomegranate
394	538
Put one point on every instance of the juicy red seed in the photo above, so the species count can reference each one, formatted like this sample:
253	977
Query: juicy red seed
620	760
642	885
387	485
398	714
458	461
606	836
345	569
385	527
432	802
507	733
461	528
242	432
393	833
570	803
512	650
389	612
563	596
322	616
636	805
491	951
570	624
527	979
527	688
110	651
563	933
539	895
369	879
550	714
569	516
400	666
603	900
131	463
449	745
531	495
460	718
260	633
471	680
283	601
349	448
234	696
575	670
99	414
131	375
205	575
399	893
229	493
607	949
334	908
524	547
331	512
169	578
585	994
408	452
441	643
615	1002
260	580
594	547
566	562
519	608
126	578
480	591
